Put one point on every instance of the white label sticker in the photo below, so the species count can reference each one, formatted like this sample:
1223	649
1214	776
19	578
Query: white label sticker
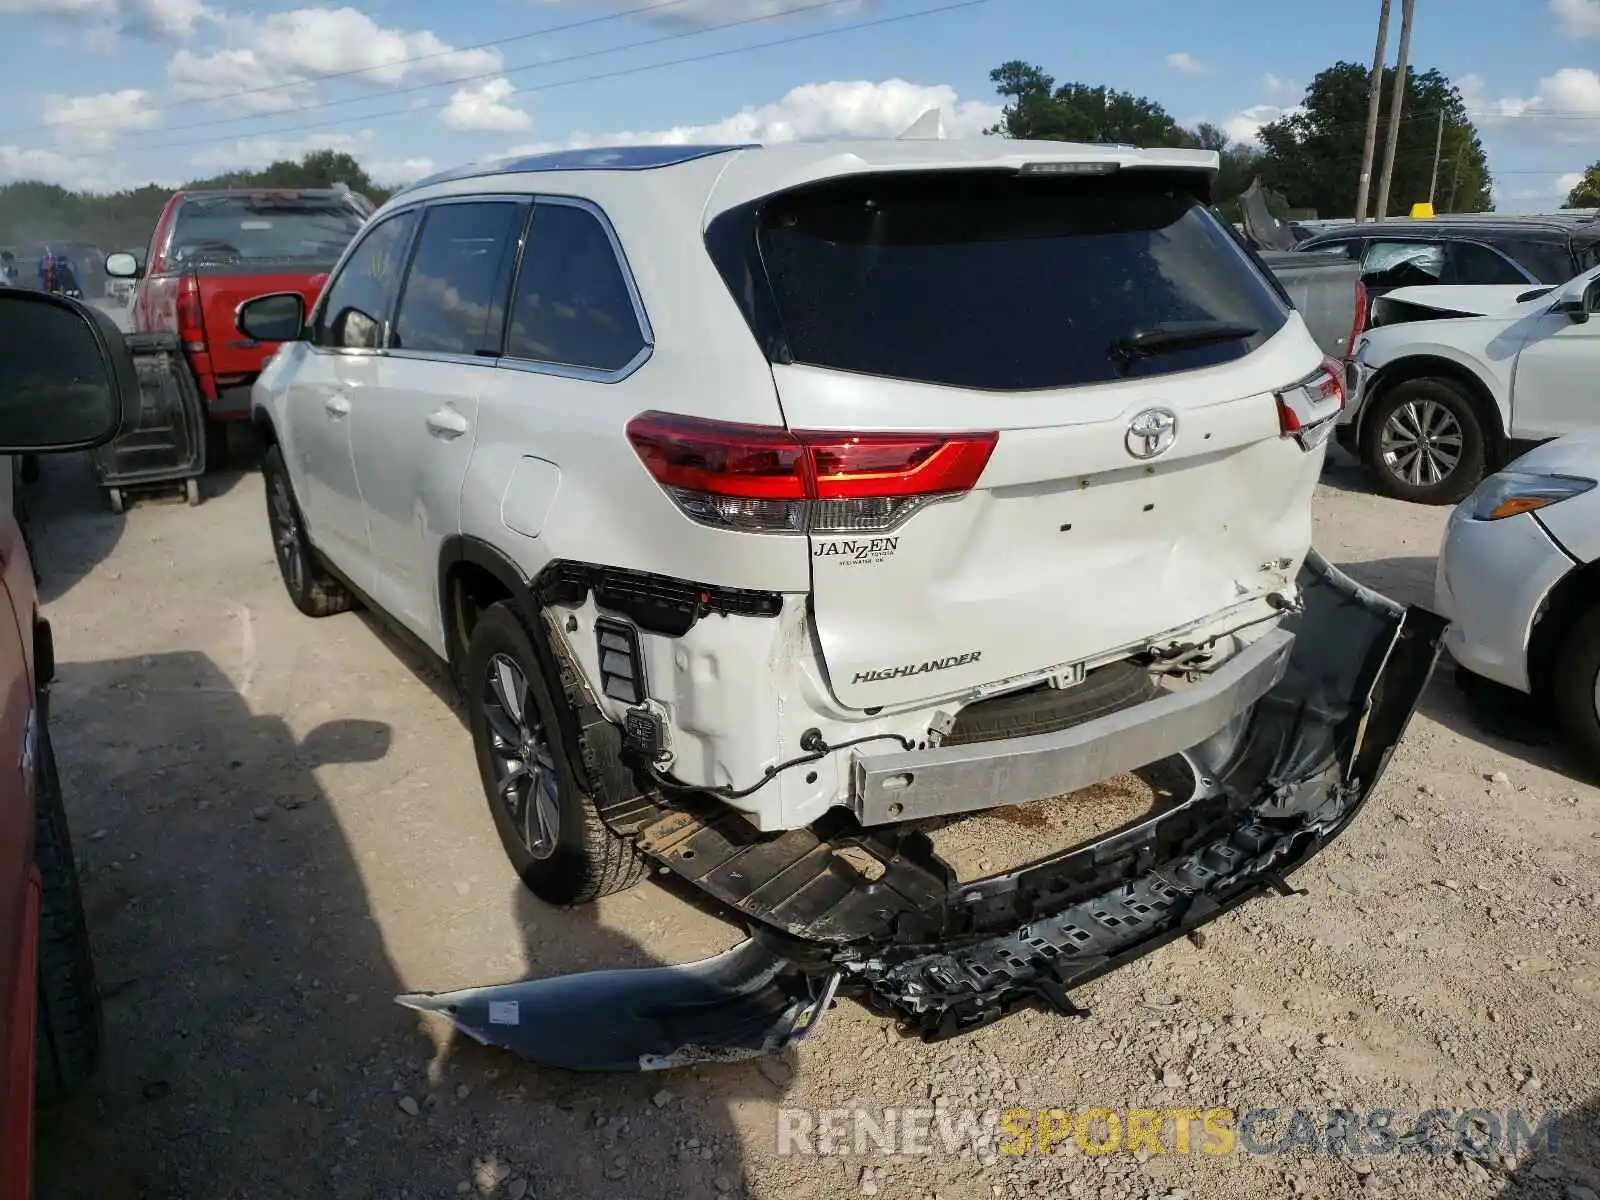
504	1012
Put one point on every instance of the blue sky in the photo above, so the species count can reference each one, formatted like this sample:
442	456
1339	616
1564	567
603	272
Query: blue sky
129	91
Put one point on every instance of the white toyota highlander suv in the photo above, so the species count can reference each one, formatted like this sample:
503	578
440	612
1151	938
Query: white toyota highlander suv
769	503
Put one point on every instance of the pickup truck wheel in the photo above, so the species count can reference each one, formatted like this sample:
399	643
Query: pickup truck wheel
548	825
1422	441
1575	688
313	590
67	1032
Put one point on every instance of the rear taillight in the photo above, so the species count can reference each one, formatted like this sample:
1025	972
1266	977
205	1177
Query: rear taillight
191	316
1359	325
1308	408
763	479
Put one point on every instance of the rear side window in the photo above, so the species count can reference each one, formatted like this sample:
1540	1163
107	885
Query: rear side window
1548	261
453	298
1402	264
251	227
1002	282
1468	262
572	305
360	296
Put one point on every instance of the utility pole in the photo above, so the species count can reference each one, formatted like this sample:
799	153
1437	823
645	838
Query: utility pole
1438	145
1395	105
1374	99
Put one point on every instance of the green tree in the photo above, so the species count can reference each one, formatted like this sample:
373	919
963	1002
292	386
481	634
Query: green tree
1586	192
1077	112
1313	157
31	211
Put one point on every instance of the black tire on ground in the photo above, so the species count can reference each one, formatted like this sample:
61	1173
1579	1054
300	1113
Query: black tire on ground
67	1033
1572	687
584	860
314	592
1437	407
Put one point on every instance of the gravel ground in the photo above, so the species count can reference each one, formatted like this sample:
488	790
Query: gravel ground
280	828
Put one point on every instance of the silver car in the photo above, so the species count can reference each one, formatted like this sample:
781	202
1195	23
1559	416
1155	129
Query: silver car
1519	580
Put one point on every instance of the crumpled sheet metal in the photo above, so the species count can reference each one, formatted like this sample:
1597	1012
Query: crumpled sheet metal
742	1003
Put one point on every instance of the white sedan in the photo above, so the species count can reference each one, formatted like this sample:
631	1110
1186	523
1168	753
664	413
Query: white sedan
1519	580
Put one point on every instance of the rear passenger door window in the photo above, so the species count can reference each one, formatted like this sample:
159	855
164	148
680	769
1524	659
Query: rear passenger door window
360	297
454	297
1402	264
573	306
1468	262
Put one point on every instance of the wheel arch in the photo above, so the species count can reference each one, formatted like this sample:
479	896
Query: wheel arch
1577	593
1436	366
261	422
473	574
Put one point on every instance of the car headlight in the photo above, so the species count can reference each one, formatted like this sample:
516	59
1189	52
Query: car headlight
1511	493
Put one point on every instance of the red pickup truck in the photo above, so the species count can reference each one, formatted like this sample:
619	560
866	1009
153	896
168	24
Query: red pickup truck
70	384
214	249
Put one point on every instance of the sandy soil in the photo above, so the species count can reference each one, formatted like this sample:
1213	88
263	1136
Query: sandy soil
280	828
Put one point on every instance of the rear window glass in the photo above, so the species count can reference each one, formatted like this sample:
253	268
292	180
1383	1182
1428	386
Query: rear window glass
997	281
235	228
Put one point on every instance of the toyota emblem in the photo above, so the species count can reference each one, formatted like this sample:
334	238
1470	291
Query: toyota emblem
1151	432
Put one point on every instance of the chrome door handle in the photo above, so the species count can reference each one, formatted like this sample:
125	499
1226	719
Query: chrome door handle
446	423
337	407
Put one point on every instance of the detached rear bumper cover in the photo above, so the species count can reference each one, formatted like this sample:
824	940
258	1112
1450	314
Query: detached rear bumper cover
1276	785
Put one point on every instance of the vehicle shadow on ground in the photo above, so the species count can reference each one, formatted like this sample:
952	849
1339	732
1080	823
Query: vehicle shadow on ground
1497	717
1570	1168
71	526
252	1044
1343	471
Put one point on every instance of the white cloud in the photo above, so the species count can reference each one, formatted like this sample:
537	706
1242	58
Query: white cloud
1279	90
1565	109
1245	125
1577	18
1569	181
483	106
93	122
394	171
288	48
168	18
72	10
252	152
143	18
716	12
1186	63
812	111
79	172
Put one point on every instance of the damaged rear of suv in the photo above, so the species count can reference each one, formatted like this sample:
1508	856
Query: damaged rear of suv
820	499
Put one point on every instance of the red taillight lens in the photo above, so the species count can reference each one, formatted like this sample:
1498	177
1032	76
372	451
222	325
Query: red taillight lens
1359	325
764	479
1311	405
191	316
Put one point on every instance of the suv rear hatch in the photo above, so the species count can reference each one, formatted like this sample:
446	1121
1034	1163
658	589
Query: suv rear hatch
1096	396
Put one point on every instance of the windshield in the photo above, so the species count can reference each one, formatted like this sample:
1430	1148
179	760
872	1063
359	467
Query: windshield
235	228
1004	282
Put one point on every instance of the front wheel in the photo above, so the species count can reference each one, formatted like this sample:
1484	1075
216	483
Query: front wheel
1575	688
547	823
1422	441
67	1034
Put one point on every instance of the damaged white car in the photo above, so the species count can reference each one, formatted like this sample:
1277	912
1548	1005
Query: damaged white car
1457	381
778	508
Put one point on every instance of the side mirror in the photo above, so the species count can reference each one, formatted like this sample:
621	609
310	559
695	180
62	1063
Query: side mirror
279	317
69	378
122	265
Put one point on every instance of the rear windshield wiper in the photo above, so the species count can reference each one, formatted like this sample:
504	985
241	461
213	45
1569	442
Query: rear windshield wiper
1171	336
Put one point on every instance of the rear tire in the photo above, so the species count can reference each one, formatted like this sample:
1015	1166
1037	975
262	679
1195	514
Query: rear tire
67	1033
548	825
314	592
1422	441
1573	688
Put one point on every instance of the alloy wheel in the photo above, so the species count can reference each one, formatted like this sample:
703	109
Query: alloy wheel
524	768
1421	443
286	535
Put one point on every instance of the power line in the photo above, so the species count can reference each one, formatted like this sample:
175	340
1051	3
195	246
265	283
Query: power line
503	71
596	78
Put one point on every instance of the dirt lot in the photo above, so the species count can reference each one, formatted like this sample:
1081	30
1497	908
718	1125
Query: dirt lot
280	827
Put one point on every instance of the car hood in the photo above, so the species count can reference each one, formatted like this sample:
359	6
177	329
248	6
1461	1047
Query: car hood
1468	300
1575	454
